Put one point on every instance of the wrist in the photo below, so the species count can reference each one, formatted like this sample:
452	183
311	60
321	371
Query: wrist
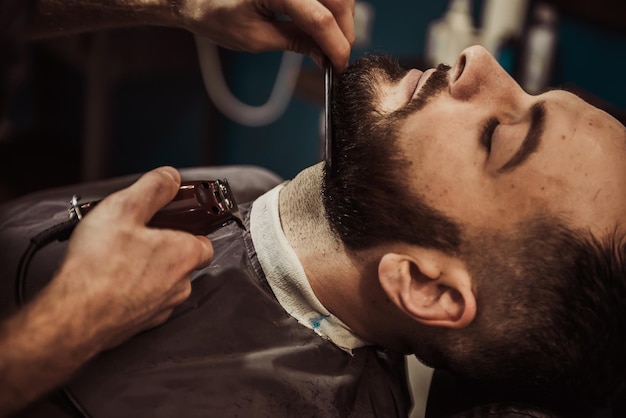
80	309
42	346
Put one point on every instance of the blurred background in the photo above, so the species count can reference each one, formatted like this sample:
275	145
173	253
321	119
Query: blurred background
124	101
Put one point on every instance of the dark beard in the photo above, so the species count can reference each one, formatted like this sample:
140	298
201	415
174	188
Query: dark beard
356	95
356	90
365	193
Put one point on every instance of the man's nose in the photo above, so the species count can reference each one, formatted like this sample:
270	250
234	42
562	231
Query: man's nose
476	73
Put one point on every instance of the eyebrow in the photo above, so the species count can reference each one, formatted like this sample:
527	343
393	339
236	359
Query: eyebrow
532	140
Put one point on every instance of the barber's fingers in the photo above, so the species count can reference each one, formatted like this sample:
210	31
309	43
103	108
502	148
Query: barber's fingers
198	252
205	251
193	251
287	36
180	292
330	24
343	11
146	196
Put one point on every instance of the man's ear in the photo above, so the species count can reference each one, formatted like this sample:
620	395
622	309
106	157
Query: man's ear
429	286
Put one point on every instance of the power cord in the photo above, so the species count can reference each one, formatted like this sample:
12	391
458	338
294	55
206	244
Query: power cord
60	232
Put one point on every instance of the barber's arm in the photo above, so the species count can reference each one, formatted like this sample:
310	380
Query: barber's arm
318	28
118	278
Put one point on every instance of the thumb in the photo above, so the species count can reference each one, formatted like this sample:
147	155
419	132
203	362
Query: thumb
150	192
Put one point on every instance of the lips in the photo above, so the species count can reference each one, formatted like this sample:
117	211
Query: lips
425	76
412	80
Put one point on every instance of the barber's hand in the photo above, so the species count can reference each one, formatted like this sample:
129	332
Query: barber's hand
128	277
318	28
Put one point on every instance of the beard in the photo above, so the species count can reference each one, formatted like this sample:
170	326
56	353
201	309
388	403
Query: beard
365	192
357	120
357	90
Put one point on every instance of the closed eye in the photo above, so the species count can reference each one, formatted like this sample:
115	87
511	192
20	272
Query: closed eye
486	134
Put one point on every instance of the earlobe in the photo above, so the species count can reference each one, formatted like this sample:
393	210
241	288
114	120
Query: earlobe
431	287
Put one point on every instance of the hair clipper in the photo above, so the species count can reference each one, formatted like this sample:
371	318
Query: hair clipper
199	207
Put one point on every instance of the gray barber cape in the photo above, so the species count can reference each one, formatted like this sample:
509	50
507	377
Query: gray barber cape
230	350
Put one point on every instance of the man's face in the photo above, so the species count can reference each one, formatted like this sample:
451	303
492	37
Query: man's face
485	152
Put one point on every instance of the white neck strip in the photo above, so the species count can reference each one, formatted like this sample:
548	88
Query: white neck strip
286	276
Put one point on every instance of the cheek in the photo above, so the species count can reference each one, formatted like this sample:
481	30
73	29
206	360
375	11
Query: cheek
546	189
453	185
441	167
521	196
445	172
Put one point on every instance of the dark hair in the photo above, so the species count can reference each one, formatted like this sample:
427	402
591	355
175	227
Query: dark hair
551	301
364	194
551	312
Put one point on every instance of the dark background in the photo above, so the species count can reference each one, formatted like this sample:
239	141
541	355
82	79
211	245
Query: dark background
139	94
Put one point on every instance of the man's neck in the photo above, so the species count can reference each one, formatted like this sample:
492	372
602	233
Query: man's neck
335	275
345	282
302	215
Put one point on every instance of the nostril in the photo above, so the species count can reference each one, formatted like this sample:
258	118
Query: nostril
460	67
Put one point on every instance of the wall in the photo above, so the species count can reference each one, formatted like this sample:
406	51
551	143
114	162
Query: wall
160	114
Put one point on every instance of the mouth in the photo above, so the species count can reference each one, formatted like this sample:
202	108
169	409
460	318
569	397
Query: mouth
422	80
413	78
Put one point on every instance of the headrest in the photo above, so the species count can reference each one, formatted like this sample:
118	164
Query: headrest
451	396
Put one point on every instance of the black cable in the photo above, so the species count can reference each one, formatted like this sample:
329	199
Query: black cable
60	232
20	279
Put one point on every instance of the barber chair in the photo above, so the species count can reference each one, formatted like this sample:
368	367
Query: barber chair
454	397
448	395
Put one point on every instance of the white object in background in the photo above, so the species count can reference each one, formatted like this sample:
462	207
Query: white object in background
363	24
502	20
539	50
229	104
448	36
284	85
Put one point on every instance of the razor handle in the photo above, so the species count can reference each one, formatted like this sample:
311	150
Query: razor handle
199	207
